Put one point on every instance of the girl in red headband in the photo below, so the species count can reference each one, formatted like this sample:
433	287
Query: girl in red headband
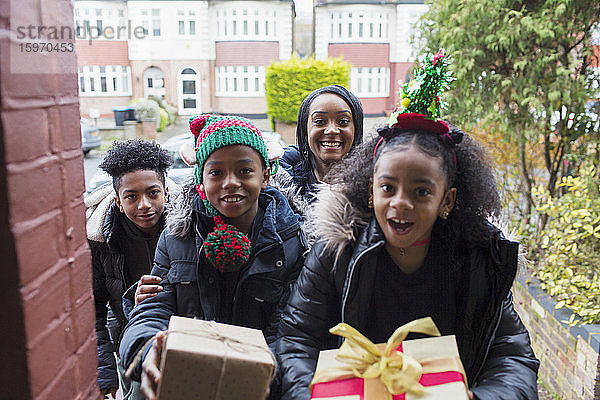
404	234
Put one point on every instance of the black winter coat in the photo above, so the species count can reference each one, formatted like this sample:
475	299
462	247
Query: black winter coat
336	284
191	285
296	180
109	284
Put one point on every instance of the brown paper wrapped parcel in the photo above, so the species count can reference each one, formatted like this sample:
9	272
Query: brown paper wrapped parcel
213	361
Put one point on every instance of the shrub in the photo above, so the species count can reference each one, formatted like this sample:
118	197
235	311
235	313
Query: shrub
164	120
147	109
289	82
171	112
570	247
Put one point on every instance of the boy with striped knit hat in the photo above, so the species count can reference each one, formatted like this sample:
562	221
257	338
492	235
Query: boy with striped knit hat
231	249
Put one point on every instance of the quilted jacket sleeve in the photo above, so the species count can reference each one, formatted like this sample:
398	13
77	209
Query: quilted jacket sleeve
510	369
306	321
150	316
107	367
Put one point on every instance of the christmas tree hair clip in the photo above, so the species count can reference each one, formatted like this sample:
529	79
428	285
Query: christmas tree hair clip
419	106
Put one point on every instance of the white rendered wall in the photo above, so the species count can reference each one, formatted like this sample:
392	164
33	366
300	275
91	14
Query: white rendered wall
284	22
406	16
170	45
323	25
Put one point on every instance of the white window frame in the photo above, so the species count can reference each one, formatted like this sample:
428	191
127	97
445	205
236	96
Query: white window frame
150	22
370	81
92	75
240	81
246	23
187	19
155	22
358	26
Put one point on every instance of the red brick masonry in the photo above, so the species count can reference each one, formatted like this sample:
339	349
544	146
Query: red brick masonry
48	341
569	355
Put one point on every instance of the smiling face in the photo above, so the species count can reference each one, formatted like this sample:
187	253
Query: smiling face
232	178
330	130
141	197
409	193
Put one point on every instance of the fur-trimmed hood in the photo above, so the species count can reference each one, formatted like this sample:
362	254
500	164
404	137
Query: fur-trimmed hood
335	221
97	205
180	220
285	183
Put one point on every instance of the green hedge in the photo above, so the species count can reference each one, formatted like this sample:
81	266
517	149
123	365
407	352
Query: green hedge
154	107
289	82
571	244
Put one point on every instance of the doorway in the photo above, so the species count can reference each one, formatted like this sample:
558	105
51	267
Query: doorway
188	88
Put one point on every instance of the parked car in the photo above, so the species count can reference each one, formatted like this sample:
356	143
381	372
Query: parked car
90	138
179	170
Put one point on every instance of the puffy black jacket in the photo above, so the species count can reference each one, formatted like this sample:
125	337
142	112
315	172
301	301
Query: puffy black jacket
191	285
296	180
335	286
298	168
109	284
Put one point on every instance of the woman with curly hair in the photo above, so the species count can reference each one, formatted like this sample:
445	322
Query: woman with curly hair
404	234
330	124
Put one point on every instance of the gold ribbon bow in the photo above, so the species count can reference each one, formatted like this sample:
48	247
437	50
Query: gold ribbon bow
399	372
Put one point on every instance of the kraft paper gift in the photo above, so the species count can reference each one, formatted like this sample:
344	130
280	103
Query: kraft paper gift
421	369
213	361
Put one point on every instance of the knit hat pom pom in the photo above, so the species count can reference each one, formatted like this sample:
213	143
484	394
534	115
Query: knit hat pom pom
226	248
197	123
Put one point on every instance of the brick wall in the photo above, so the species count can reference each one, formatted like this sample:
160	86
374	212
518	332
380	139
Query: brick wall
48	341
240	105
246	53
362	54
102	52
569	356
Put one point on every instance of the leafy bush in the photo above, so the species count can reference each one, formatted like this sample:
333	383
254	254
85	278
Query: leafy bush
164	120
147	109
171	112
164	115
570	247
289	82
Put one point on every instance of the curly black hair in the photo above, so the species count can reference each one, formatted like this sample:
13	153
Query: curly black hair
466	166
135	155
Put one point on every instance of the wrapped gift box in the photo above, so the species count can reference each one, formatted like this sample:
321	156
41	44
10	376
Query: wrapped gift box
209	360
443	374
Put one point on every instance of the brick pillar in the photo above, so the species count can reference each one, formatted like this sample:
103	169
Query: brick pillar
47	318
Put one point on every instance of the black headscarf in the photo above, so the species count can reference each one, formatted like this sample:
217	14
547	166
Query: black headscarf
301	127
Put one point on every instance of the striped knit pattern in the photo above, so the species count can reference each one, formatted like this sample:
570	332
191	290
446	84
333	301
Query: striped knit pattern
215	131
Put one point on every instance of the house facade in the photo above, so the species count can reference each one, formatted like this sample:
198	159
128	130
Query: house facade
104	69
375	37
200	56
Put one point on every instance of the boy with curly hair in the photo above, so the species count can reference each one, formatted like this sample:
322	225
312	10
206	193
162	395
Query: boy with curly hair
123	223
230	252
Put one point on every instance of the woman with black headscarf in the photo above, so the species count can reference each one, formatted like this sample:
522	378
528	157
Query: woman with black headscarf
330	124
